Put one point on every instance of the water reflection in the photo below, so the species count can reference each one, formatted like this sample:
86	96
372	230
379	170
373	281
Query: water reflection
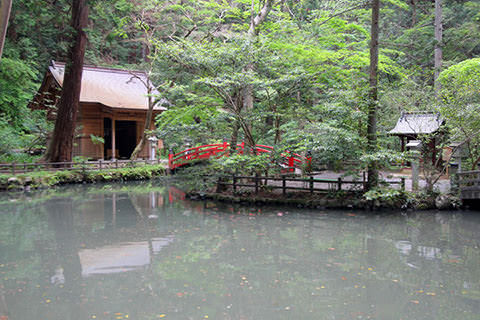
141	251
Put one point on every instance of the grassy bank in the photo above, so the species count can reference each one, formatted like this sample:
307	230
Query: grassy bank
45	179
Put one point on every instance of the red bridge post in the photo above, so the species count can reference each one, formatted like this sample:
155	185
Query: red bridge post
291	164
170	159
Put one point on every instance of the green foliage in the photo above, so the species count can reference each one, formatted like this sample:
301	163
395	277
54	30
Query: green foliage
386	197
461	105
17	88
96	139
248	163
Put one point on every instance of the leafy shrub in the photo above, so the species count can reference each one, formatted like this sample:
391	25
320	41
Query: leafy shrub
386	197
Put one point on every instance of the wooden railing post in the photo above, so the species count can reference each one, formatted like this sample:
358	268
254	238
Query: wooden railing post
234	183
339	183
311	184
116	163
100	164
24	166
13	168
256	182
402	183
284	185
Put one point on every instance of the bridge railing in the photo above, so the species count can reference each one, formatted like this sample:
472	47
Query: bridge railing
175	160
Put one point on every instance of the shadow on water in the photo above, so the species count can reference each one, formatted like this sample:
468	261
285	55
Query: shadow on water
142	251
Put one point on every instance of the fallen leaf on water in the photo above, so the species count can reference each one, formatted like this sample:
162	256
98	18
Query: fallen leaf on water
343	278
415	301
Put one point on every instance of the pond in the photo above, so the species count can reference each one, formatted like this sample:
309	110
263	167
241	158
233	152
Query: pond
141	251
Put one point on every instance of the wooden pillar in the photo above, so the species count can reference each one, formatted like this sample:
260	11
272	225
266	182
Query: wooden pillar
402	139
113	139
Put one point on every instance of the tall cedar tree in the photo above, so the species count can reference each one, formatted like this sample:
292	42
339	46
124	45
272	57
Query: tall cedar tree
61	146
438	45
5	7
373	96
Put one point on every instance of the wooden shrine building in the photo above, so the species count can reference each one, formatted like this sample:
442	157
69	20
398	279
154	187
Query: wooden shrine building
413	125
113	105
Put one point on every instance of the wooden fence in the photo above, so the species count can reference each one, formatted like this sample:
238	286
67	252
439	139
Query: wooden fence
16	168
310	184
468	183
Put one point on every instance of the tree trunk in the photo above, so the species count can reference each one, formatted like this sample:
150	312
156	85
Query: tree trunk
438	45
255	21
234	138
278	132
148	124
373	97
61	146
5	8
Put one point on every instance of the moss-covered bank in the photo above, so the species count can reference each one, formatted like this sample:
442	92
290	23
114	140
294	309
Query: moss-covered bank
344	200
45	179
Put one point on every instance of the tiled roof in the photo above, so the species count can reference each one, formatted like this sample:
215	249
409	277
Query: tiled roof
111	87
417	123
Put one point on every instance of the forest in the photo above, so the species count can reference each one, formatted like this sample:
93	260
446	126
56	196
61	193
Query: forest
292	74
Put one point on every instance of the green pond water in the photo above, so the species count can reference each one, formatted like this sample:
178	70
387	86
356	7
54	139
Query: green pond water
141	251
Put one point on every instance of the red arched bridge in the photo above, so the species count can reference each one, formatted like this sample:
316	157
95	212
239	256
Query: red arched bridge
191	155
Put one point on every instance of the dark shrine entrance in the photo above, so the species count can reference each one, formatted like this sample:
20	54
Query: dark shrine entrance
126	138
